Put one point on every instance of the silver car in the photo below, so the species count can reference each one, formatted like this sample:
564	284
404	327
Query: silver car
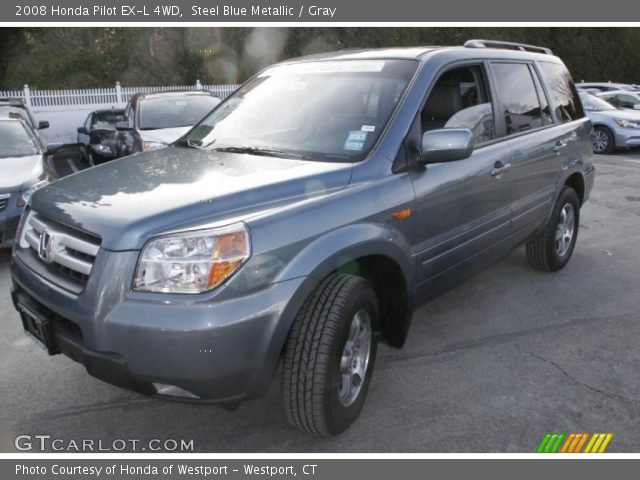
24	169
612	127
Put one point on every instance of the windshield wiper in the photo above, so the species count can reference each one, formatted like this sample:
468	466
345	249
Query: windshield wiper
267	152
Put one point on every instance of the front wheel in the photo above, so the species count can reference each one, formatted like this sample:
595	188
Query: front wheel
602	139
552	248
330	354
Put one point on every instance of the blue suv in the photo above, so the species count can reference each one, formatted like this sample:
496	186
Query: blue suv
302	220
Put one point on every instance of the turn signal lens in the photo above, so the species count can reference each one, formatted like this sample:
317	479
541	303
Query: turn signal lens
231	249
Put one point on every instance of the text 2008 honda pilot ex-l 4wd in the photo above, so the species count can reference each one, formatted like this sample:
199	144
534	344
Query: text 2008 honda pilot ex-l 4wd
302	220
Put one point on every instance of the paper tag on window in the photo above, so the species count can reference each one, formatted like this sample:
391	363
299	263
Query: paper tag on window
355	140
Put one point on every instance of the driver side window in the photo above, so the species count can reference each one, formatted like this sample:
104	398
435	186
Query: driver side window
460	99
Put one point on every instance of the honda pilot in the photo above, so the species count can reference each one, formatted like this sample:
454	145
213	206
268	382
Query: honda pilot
302	221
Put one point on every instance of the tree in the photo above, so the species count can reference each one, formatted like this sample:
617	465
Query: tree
49	58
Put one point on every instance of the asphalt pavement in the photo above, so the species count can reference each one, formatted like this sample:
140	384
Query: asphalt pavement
490	366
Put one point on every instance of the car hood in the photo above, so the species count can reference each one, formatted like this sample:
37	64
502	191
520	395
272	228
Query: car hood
101	136
127	200
630	115
164	135
17	171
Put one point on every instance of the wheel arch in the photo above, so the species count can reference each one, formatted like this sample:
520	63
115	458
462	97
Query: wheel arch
577	182
608	128
376	252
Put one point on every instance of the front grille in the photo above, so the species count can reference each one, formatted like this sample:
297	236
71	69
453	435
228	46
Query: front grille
65	252
4	201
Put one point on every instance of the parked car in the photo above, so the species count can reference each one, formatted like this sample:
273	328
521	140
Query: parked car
622	99
612	127
303	219
98	137
24	169
16	108
155	120
607	86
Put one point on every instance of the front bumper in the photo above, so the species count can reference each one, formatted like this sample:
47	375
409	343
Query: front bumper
627	137
9	219
220	349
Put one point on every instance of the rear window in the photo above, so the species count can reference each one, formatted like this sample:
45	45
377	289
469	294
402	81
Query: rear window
562	91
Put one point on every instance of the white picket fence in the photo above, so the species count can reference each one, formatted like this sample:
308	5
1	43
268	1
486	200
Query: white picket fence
67	109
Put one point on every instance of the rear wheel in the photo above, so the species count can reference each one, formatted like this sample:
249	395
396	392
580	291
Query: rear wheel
330	355
552	248
602	139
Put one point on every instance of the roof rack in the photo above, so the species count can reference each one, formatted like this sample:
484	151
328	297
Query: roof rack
506	45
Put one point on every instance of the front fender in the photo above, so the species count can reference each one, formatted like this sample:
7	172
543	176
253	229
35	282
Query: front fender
325	255
339	247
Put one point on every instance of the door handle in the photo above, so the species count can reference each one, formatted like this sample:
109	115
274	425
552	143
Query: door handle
560	145
499	168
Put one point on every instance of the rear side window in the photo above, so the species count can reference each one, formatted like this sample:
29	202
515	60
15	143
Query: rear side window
519	103
562	91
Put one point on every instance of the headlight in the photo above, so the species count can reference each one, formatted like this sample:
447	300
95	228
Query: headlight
191	262
146	146
100	148
628	123
23	197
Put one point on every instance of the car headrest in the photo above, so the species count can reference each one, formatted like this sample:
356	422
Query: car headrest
443	102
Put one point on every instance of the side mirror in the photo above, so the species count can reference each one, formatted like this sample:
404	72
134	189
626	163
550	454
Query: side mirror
446	145
636	106
42	124
123	126
83	130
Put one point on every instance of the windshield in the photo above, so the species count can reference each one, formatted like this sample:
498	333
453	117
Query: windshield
327	111
107	120
595	104
15	141
173	112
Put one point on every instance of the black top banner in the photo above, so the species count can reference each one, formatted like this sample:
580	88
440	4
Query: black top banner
315	11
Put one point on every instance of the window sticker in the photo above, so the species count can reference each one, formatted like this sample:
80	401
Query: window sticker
355	141
368	128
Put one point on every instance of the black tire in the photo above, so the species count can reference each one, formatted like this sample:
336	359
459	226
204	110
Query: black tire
312	358
544	252
607	141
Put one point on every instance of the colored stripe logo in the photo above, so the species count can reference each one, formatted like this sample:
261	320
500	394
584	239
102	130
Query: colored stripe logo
574	442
